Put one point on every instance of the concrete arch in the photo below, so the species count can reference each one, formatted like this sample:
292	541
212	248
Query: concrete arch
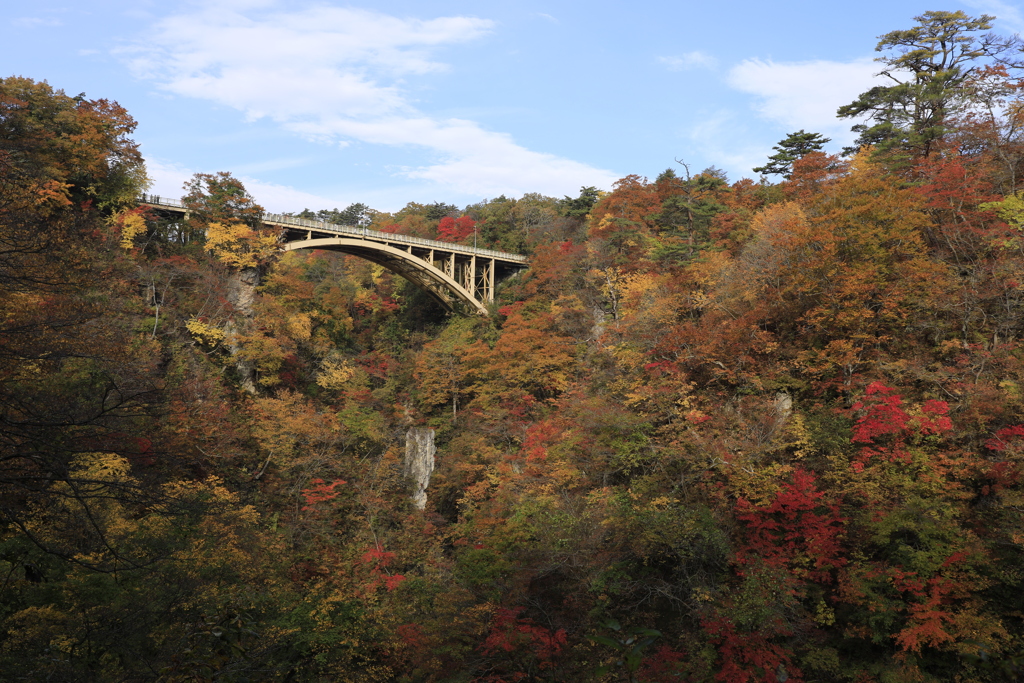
422	273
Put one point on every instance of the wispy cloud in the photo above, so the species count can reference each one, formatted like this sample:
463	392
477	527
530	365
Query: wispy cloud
335	74
168	178
1006	14
722	135
805	94
689	60
35	22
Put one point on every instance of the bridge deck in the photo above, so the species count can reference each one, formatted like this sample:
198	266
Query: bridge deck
300	229
455	274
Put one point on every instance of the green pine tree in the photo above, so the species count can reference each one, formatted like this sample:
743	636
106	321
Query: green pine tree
930	67
789	150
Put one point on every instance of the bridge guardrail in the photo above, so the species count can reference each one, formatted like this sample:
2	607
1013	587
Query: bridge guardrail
283	219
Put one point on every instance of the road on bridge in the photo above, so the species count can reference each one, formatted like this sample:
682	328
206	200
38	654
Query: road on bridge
456	275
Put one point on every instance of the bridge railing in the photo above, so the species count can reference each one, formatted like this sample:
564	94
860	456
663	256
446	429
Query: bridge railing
284	219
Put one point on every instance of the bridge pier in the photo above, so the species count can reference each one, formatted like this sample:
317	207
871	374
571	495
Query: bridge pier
453	274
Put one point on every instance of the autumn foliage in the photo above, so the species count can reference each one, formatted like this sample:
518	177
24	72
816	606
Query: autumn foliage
717	431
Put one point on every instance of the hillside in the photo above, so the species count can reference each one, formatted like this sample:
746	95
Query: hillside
718	431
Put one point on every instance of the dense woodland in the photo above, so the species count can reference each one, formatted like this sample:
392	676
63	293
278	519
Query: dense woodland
718	431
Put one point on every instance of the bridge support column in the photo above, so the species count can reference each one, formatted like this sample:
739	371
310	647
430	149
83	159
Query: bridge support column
460	281
470	285
487	281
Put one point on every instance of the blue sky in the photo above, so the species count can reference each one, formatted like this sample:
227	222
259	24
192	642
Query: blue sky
322	104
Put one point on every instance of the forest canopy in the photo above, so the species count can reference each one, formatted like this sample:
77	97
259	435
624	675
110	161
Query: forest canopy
719	430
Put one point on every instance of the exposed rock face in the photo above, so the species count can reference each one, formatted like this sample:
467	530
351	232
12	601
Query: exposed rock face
783	407
242	290
419	462
242	294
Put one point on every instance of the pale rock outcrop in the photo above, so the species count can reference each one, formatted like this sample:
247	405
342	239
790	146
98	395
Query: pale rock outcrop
419	462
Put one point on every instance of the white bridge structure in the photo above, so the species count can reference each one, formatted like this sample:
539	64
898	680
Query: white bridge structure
459	277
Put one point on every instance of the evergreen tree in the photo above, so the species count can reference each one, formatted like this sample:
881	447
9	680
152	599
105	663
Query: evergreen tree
357	214
789	150
439	210
579	207
930	66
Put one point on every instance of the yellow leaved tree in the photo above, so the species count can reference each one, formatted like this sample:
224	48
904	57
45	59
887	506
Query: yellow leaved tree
219	205
239	245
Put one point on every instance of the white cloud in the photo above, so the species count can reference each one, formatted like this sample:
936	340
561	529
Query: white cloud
168	178
805	94
35	22
724	138
689	60
270	164
277	198
1005	13
506	168
335	74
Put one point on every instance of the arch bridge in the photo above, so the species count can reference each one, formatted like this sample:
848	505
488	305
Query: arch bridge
460	278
